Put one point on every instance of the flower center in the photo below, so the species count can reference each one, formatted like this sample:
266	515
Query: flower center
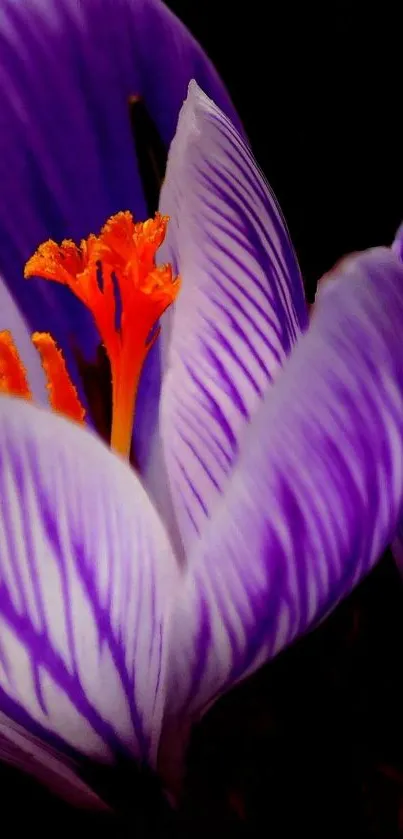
115	276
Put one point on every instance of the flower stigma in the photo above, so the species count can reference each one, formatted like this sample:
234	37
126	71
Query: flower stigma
116	277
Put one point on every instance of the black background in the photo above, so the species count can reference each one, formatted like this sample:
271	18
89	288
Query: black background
319	93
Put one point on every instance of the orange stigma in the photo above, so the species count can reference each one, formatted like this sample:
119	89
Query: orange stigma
115	276
13	376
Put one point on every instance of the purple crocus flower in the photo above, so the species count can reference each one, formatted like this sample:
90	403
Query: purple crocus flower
68	71
272	483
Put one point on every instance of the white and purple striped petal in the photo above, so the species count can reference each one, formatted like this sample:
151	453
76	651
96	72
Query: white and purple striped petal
316	495
240	310
86	584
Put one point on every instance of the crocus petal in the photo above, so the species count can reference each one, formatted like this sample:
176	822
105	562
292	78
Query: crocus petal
67	157
239	312
11	319
397	246
317	493
87	578
397	546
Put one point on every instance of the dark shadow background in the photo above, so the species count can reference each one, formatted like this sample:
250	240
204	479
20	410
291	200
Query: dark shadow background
313	744
319	92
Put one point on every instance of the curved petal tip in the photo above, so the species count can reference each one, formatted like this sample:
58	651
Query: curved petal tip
240	311
397	246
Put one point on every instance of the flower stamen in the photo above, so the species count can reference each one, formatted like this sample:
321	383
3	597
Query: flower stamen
13	376
63	396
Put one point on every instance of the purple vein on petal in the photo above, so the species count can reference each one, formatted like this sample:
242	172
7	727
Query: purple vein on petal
85	610
241	307
311	503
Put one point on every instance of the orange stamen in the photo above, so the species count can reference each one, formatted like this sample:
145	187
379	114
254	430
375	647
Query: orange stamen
13	377
63	396
124	252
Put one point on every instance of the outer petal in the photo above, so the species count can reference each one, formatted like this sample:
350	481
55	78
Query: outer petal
67	158
60	774
317	493
397	546
86	583
239	312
